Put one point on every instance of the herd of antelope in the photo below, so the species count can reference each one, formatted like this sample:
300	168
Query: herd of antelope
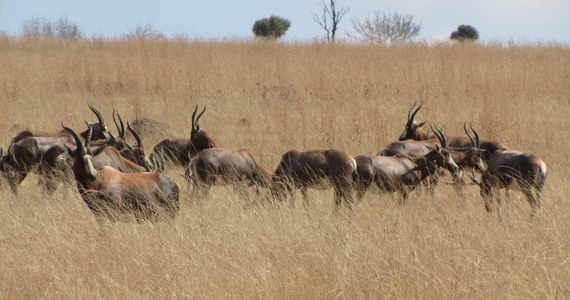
115	178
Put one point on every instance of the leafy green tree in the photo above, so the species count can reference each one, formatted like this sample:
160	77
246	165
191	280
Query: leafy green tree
273	27
465	33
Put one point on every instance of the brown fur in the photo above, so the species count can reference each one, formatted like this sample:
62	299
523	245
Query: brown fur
110	193
320	169
507	168
219	166
399	173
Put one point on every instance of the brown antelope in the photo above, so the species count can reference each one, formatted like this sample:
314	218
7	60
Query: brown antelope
219	166
134	153
415	131
507	168
318	169
399	173
99	131
464	157
55	164
179	151
109	192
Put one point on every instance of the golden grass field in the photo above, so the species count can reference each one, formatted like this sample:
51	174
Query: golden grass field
269	98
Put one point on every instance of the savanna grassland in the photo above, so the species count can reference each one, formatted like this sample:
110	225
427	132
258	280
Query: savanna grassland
269	98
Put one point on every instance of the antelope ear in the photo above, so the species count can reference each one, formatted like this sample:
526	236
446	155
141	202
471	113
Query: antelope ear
430	148
422	124
99	150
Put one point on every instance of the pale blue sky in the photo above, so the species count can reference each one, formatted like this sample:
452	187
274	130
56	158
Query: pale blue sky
518	20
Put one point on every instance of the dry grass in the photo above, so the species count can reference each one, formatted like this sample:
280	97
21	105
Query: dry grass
271	98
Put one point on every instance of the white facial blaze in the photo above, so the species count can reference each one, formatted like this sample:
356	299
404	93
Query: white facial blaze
451	162
89	169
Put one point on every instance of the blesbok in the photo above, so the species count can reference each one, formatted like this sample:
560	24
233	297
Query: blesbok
317	169
178	150
55	164
507	168
414	131
465	157
399	173
110	193
219	166
100	131
134	153
40	154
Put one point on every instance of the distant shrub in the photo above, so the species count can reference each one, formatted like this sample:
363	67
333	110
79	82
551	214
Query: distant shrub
273	27
465	33
41	27
145	31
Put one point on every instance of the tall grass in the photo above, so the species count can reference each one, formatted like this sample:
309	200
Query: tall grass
269	98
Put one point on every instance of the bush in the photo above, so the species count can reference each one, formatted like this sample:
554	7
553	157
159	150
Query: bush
465	33
273	27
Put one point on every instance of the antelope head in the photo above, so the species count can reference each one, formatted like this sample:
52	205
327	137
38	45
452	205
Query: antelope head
414	130
440	156
195	125
82	156
100	130
474	153
134	153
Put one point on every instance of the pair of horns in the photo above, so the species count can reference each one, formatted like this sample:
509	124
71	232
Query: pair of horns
121	128
195	120
76	138
411	115
475	141
439	133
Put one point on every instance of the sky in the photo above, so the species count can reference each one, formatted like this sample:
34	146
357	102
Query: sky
526	21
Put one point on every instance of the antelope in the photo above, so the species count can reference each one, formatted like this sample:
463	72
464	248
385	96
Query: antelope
55	163
99	131
109	192
507	168
40	154
219	166
180	150
134	153
318	169
415	131
401	172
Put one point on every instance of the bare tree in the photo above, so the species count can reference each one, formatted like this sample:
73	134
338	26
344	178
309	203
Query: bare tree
41	27
145	31
385	28
331	16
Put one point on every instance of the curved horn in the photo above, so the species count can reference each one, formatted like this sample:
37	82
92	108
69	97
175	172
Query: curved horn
122	132
135	135
121	135
198	117
410	111
78	143
439	133
97	113
411	119
89	135
194	115
476	135
469	135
